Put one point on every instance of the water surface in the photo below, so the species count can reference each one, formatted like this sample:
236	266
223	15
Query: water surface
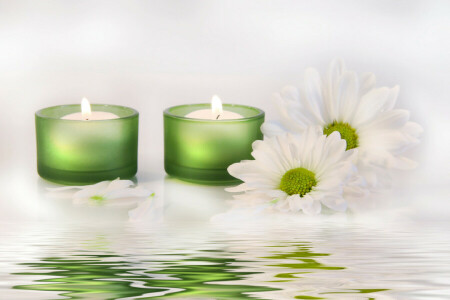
310	260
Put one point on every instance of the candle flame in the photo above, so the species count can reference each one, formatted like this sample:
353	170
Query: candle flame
85	109
216	106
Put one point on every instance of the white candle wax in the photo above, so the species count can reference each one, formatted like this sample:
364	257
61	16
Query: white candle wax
95	115
87	114
207	114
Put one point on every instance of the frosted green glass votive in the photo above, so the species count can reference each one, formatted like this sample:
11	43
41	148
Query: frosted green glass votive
200	151
82	152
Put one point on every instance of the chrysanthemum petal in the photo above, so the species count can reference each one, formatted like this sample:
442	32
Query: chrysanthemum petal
118	184
255	174
391	99
335	70
65	188
370	105
313	95
295	202
347	97
238	188
272	128
412	129
92	190
390	120
137	192
336	203
309	206
265	153
367	83
403	163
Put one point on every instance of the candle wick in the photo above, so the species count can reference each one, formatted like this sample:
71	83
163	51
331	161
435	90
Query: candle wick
217	117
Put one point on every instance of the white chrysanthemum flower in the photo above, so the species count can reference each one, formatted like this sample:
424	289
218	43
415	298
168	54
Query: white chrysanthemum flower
299	172
364	116
109	193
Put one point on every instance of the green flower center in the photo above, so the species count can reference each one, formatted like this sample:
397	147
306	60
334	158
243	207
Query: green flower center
347	132
298	181
97	198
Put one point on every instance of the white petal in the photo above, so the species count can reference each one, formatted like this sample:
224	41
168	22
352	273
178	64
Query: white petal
266	153
137	192
310	206
369	174
238	188
370	105
64	188
335	70
290	93
129	202
287	103
391	99
285	153
331	181
295	202
118	184
347	97
319	154
403	163
412	129
283	205
88	191
276	194
313	98
351	192
80	201
393	119
334	151
367	82
272	128
307	144
254	172
336	203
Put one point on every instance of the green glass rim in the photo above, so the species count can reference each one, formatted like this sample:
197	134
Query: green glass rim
94	107
260	113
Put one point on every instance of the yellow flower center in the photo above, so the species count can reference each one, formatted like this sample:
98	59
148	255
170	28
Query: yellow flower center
347	132
298	181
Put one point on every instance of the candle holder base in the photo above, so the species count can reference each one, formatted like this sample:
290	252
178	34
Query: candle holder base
201	176
83	178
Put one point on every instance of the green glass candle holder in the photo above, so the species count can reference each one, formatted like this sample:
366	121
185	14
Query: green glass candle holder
200	151
82	152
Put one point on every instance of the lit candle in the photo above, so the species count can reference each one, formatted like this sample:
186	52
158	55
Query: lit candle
215	113
87	114
202	140
99	143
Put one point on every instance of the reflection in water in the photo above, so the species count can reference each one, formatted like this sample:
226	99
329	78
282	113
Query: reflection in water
205	261
299	261
304	259
94	275
85	276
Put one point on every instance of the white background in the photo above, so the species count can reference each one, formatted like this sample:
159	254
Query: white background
153	54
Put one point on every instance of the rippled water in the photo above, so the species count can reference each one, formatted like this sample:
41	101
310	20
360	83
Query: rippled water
315	260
